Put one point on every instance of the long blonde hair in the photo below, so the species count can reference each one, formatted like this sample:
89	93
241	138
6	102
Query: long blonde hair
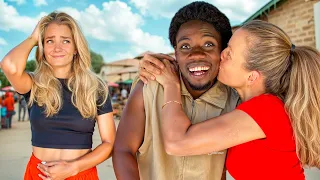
88	90
293	74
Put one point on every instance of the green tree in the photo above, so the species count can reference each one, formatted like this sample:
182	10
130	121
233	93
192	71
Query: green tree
31	65
4	80
96	61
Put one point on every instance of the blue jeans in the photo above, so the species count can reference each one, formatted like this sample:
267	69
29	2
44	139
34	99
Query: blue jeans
22	109
9	118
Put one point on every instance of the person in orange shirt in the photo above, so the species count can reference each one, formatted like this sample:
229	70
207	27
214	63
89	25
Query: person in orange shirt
9	104
1	100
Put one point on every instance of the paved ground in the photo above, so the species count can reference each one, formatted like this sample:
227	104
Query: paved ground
15	151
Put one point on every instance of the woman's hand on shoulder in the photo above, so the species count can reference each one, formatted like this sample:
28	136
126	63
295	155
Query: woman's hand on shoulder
169	75
151	64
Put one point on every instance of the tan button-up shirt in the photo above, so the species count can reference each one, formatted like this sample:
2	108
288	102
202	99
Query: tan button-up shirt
154	163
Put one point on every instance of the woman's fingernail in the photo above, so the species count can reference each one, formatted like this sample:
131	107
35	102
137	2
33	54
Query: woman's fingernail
43	162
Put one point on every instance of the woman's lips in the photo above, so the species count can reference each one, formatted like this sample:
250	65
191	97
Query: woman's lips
58	56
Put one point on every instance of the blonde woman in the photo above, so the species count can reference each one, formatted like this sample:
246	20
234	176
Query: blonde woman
275	131
65	100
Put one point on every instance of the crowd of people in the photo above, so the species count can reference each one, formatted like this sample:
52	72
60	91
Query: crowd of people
247	102
8	110
119	99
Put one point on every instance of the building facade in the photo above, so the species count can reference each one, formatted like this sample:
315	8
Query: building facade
295	17
120	70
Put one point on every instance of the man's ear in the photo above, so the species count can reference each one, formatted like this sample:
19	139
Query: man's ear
253	77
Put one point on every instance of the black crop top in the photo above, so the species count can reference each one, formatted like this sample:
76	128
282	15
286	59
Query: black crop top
65	130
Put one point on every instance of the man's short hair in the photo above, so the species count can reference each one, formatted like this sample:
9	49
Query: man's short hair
205	12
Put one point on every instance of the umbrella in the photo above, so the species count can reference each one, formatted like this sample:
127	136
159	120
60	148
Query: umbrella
112	84
7	88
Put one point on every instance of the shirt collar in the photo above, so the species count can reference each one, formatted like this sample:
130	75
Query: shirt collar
216	95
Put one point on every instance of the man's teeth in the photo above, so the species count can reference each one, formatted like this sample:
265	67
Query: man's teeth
200	68
198	73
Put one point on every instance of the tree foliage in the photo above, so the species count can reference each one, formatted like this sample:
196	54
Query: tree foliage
31	65
4	80
96	61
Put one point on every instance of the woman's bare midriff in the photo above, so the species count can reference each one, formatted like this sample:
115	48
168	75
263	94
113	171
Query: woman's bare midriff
49	154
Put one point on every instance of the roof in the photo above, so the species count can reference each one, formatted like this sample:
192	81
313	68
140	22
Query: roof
142	54
264	10
124	62
172	54
149	52
127	70
129	65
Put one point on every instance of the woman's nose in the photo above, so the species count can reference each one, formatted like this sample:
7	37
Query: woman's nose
57	47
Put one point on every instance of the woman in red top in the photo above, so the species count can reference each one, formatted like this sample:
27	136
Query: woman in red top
275	131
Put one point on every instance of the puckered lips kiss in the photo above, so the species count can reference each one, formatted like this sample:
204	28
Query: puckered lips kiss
199	70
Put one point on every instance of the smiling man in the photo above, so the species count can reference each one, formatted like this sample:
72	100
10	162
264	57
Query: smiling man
198	32
197	49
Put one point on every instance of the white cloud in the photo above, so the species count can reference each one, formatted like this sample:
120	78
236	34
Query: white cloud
159	8
10	19
236	10
19	2
116	22
40	3
72	12
3	42
1	55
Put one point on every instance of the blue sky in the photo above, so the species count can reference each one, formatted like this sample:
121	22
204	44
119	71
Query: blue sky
115	29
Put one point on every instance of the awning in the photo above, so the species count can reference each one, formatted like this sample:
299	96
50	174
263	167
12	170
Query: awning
128	81
7	88
113	84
